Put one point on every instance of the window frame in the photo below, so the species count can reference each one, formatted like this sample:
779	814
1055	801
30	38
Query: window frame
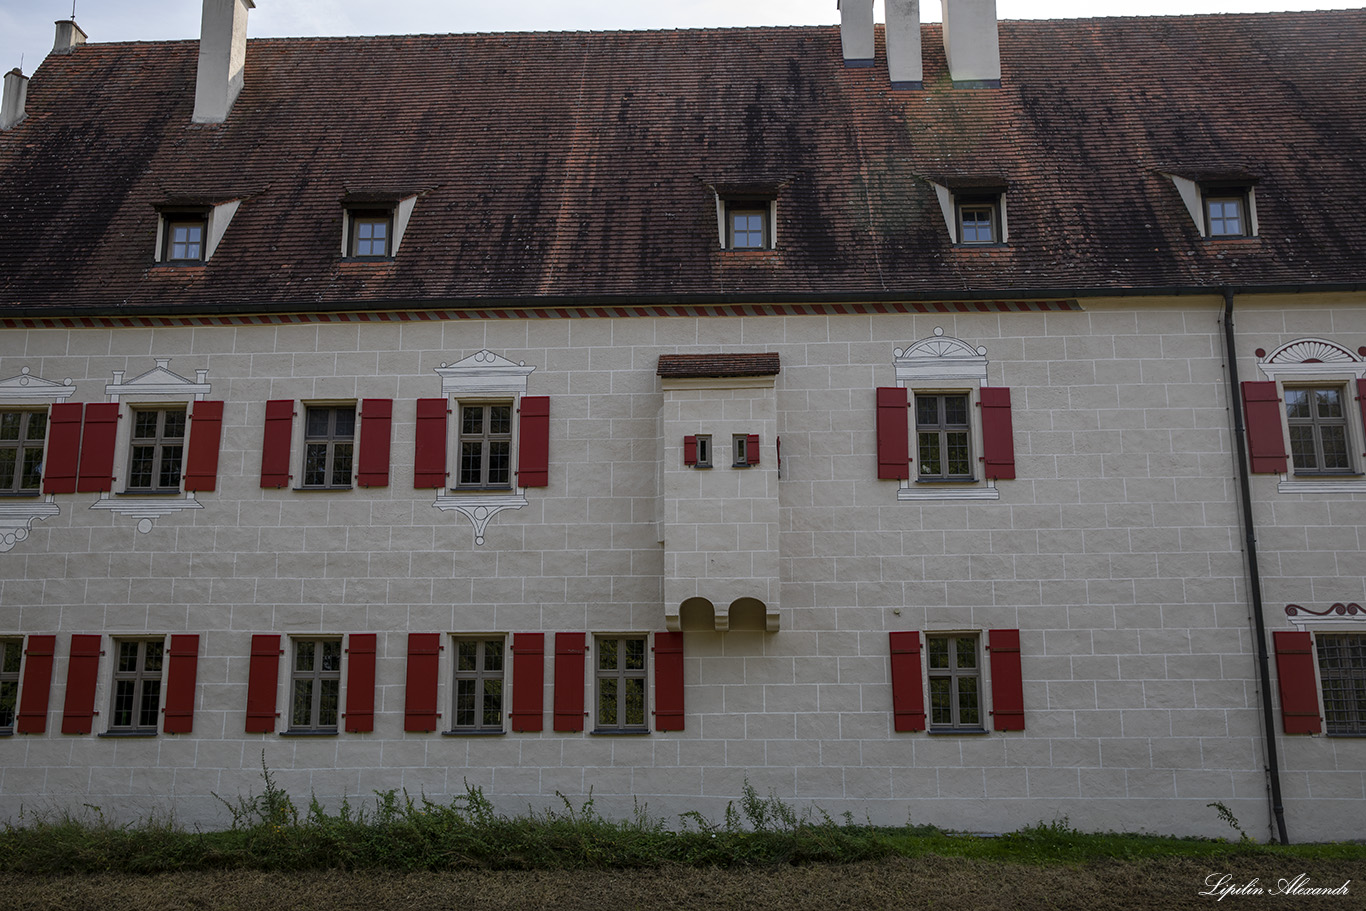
369	215
739	450
22	445
1224	194
486	438
1315	423
969	428
704	451
480	676
11	651
978	202
171	219
315	676
749	207
619	675
331	441
140	676
954	674
1343	680
159	442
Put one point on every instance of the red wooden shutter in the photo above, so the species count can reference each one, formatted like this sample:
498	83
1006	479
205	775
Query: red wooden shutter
37	685
998	436
429	451
569	657
1299	687
206	433
669	681
1007	681
63	447
1265	442
360	682
908	690
97	448
528	681
690	450
276	442
262	678
752	449
376	424
533	451
78	712
419	695
1361	401
181	671
893	440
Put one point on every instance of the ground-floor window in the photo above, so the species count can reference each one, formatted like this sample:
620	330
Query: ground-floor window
955	682
1342	670
620	678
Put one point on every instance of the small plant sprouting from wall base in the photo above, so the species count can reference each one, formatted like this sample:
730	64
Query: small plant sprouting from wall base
1227	816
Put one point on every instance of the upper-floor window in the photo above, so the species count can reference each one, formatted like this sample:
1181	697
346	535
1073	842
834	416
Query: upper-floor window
479	684
184	236
747	225
11	654
1317	421
371	233
315	685
943	434
329	444
485	446
955	678
21	451
157	449
136	697
1226	212
978	219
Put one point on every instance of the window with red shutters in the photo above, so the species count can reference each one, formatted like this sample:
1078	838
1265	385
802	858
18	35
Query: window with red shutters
275	444
569	659
893	439
360	682
263	677
206	434
998	437
36	687
1298	684
668	681
1007	680
78	711
1265	439
97	448
376	431
908	689
429	450
181	673
419	694
533	449
528	681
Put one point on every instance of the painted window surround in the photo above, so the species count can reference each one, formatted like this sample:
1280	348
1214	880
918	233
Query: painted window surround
18	514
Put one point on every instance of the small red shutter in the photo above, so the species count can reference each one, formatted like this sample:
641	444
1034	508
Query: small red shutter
37	685
78	712
533	452
669	681
97	448
998	436
690	450
1299	688
360	682
419	695
275	444
908	690
1265	442
1007	681
262	678
429	450
376	424
569	654
893	440
181	671
752	449
528	681
206	433
63	446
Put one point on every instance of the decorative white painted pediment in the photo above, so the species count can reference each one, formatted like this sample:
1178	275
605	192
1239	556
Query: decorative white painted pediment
160	380
26	386
1311	357
939	358
484	373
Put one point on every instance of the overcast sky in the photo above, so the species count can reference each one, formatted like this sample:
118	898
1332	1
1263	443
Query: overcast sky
26	25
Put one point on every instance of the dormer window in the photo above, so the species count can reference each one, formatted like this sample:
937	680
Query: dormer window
747	225
978	222
974	209
747	213
184	233
1223	204
189	228
1226	212
371	233
374	221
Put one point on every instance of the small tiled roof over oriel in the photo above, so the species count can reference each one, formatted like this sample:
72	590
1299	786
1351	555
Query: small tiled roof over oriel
586	166
689	366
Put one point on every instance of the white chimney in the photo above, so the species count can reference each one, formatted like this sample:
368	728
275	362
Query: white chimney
856	31
971	43
12	105
222	54
904	63
69	36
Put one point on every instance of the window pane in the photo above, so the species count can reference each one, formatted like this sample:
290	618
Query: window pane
123	703
472	419
929	454
152	657
145	424
37	426
318	421
1302	447
466	656
968	712
1335	449
170	467
10	423
500	463
32	475
967	652
635	654
13	651
9	694
315	464
939	653
328	702
471	462
151	698
173	427
493	655
464	702
1328	402
303	704
607	702
332	656
303	656
341	463
635	701
941	711
343	422
9	459
493	703
607	654
140	467
957	445
956	409
500	419
128	657
1297	403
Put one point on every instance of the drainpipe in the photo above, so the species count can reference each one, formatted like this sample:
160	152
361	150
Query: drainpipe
1273	767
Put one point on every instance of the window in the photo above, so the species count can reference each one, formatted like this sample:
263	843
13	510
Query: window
747	225
943	436
371	233
1342	668
955	682
21	451
1318	430
485	447
1226	212
137	685
11	653
329	442
739	446
479	685
621	683
977	220
316	685
157	449
183	237
703	451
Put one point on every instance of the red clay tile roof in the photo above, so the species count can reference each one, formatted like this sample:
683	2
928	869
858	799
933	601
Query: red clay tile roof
577	167
712	365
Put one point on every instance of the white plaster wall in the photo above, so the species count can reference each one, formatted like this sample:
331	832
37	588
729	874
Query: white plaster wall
1116	552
